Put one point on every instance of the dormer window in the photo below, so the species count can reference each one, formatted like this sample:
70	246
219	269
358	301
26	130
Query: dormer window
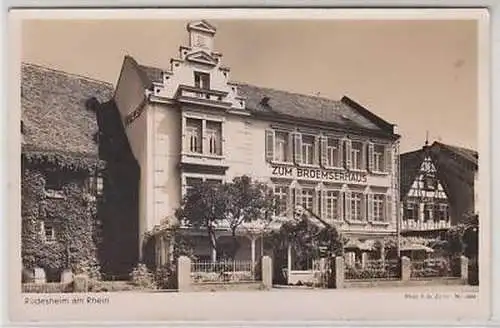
202	80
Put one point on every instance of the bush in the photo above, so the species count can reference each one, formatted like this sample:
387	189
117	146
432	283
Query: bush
142	277
110	286
165	277
50	287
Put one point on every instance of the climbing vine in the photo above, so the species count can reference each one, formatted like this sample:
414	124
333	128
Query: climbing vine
72	216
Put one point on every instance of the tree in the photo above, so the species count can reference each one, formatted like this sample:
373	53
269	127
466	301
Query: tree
204	206
208	205
247	201
309	238
463	238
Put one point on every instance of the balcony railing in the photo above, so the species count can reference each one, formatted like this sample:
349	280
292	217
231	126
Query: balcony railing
423	226
193	94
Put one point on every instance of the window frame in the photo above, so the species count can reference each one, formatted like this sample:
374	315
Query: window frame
359	152
331	150
332	211
202	80
311	149
285	198
379	200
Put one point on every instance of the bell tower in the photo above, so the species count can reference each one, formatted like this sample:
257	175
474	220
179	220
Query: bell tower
201	36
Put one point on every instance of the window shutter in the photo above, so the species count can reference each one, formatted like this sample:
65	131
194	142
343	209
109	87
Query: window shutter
370	156
348	153
347	205
269	145
388	208
317	141
324	144
323	213
289	155
370	207
317	208
364	156
364	207
297	142
388	158
298	196
341	154
340	205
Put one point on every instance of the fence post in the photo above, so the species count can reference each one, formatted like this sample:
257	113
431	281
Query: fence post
338	272
364	260
405	268
39	274
81	283
183	273
267	272
464	269
67	276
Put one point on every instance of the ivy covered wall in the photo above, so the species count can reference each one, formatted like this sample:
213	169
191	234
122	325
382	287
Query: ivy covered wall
72	217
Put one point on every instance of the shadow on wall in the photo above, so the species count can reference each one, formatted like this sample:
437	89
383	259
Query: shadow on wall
118	210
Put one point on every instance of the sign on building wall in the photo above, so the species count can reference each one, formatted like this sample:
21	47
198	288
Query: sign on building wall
318	174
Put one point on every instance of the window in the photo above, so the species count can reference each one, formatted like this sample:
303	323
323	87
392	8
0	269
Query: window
442	212
54	181
191	182
378	158
308	199
308	150
428	211
202	80
214	138
357	155
356	206
378	207
411	211
282	152
48	232
95	185
281	195
331	205
333	152
213	181
194	135
430	182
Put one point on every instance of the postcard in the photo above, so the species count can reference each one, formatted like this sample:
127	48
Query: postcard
249	165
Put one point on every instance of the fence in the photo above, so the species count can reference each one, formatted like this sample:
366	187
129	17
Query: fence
432	268
224	271
373	269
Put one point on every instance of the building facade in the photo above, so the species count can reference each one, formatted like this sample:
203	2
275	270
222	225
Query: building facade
78	177
190	123
438	189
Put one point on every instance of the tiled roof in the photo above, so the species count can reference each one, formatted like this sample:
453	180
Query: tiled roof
466	153
154	74
345	112
54	112
303	106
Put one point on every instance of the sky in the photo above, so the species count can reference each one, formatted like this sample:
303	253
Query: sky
419	74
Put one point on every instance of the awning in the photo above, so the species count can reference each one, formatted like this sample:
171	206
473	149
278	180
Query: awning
366	246
416	247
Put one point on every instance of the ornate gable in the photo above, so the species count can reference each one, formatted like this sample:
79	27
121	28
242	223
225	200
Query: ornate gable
202	57
202	26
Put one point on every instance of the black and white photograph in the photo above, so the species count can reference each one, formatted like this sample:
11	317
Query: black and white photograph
250	165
